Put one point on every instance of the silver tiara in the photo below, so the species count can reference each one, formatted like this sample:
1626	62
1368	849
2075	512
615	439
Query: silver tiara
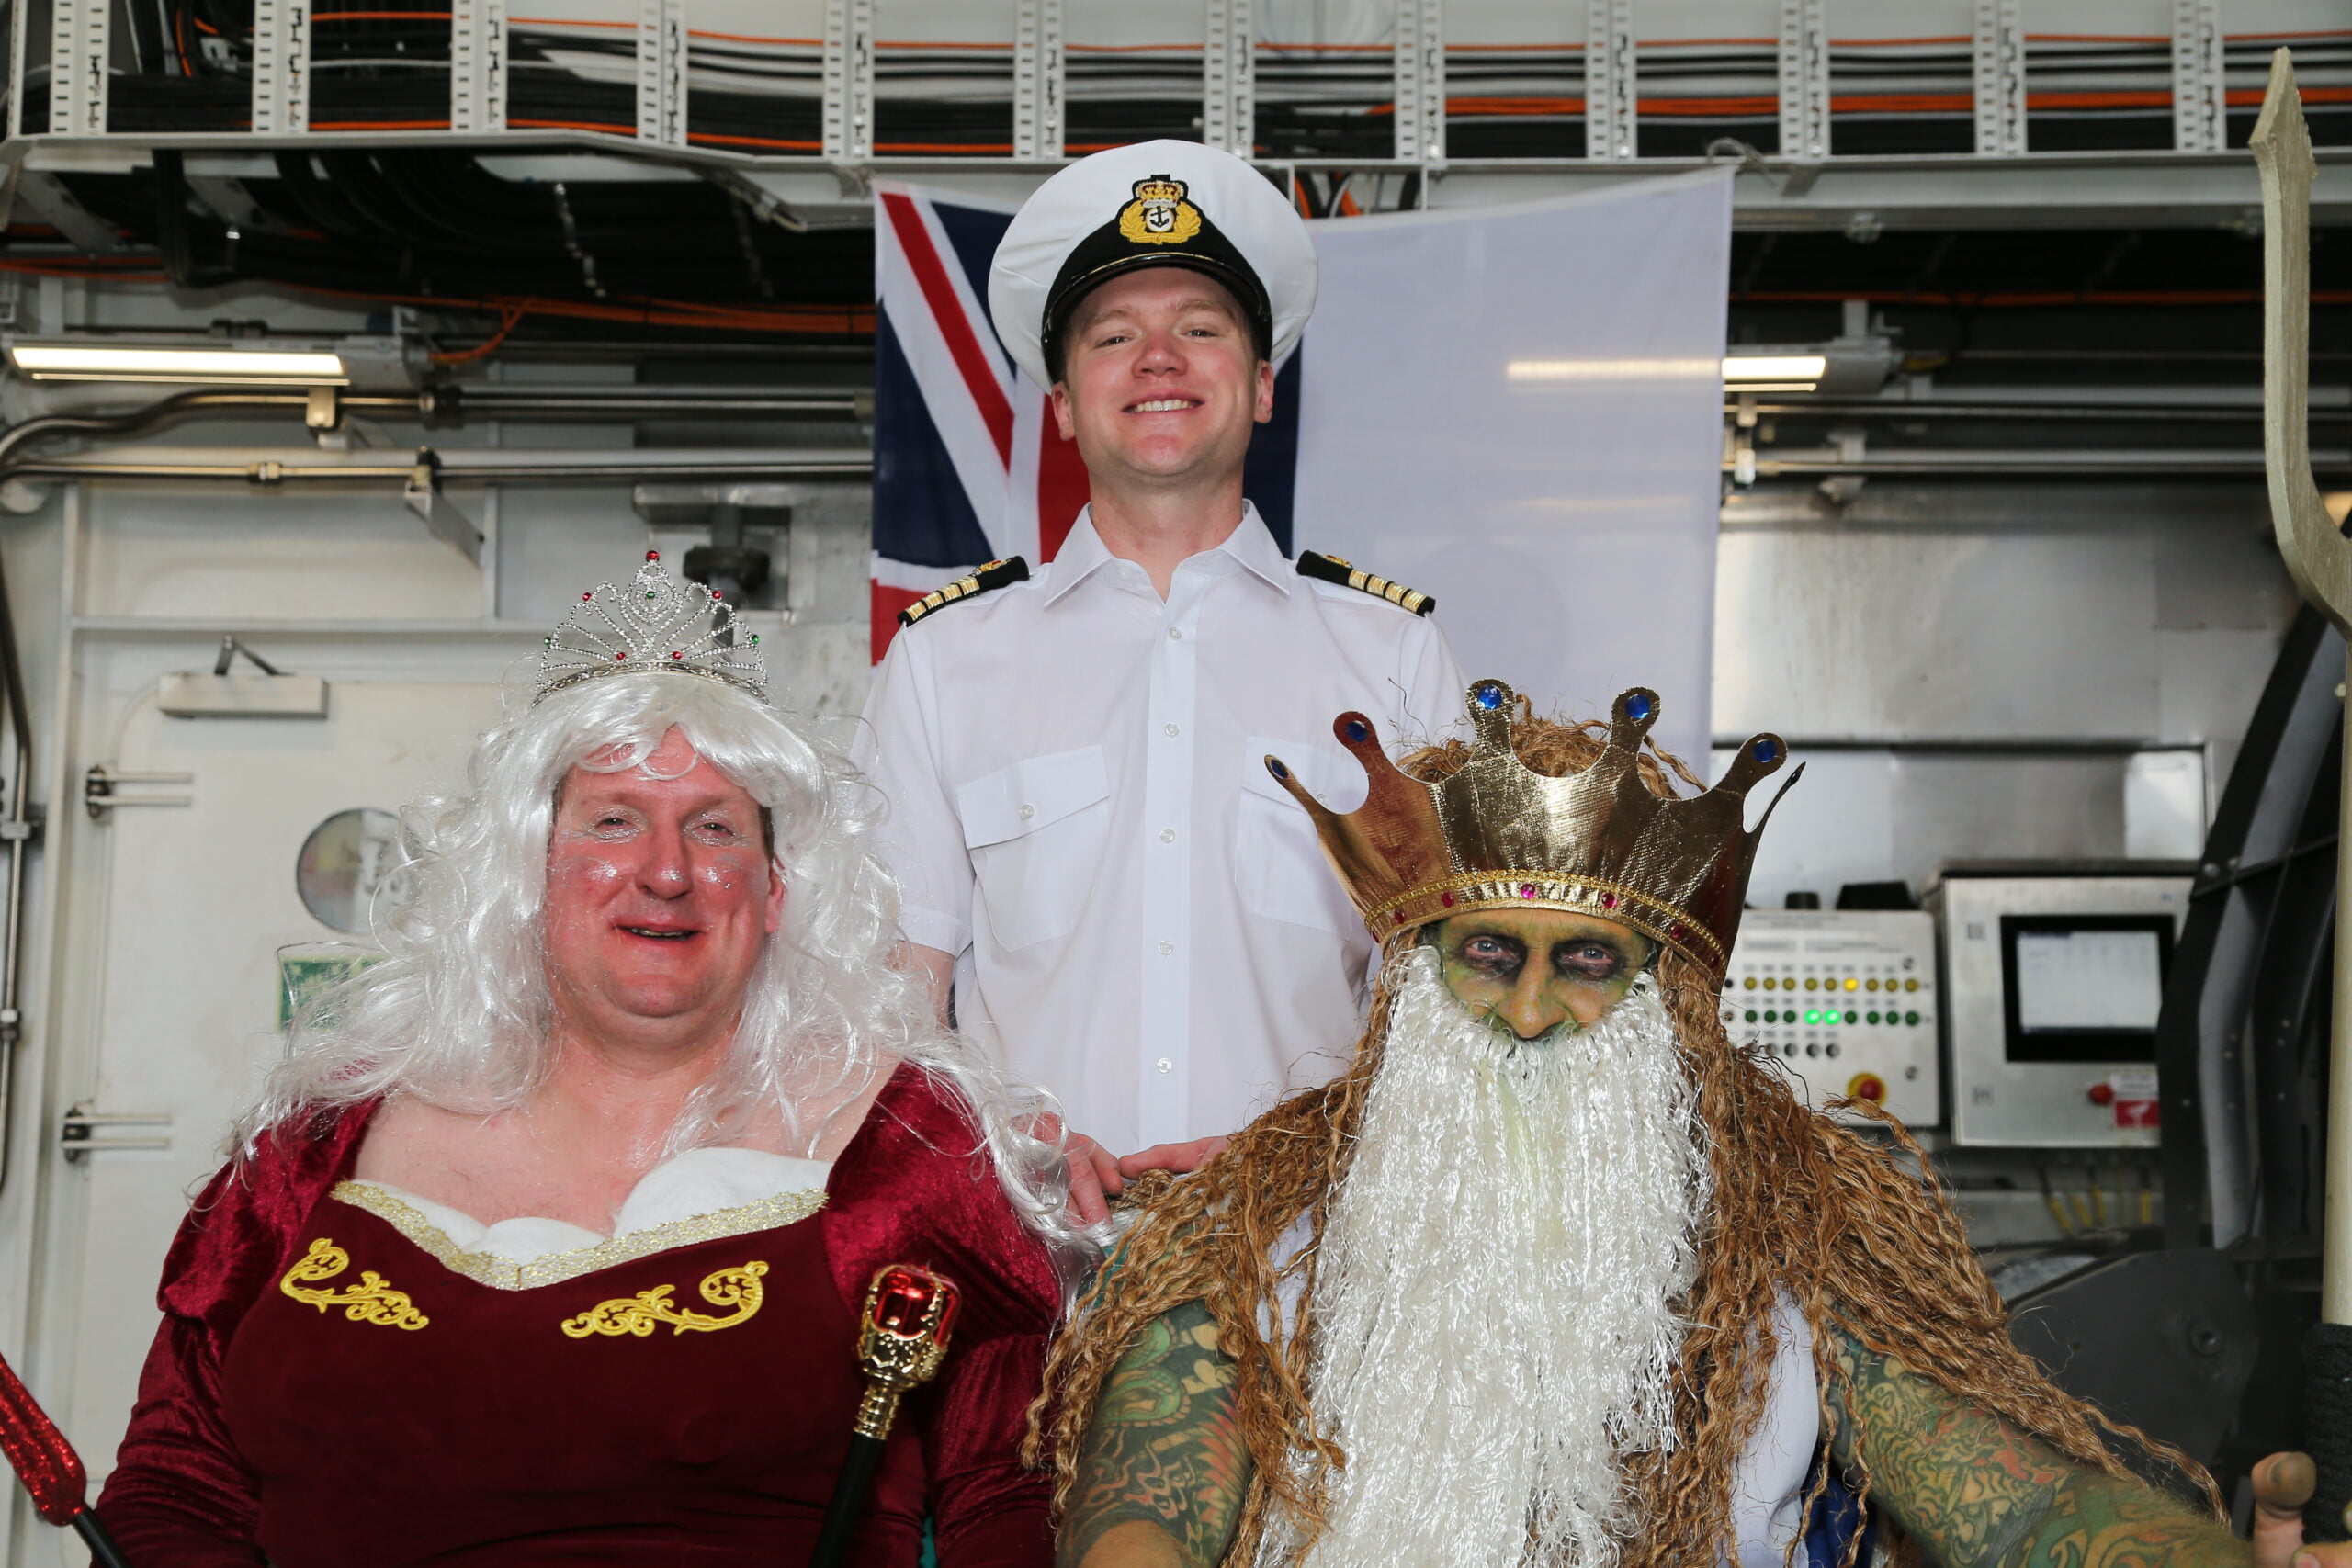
655	622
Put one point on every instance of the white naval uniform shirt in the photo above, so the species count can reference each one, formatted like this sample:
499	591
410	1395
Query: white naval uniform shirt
1080	808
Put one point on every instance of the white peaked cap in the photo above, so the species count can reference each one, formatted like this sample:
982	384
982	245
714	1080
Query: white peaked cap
1151	204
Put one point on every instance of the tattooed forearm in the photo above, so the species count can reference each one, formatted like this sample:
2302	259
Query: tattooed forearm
1163	1471
1976	1492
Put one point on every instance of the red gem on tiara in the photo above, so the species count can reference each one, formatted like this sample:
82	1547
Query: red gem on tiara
1446	899
675	654
1609	900
717	594
1676	931
585	598
1397	917
1527	890
653	555
622	654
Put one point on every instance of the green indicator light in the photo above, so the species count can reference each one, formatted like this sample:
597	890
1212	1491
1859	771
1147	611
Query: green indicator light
1812	1016
1751	1015
1911	1018
1853	1017
1873	1017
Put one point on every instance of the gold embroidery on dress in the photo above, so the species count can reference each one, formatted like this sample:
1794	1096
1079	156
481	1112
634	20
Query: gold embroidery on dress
505	1274
370	1301
739	1288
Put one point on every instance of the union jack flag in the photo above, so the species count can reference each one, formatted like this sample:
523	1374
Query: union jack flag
967	465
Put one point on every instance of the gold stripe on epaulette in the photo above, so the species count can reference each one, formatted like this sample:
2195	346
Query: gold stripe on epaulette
938	596
1395	593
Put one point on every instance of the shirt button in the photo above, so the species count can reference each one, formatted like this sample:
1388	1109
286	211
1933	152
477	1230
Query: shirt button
1167	835
1173	732
1164	1066
1174	635
1166	948
1027	811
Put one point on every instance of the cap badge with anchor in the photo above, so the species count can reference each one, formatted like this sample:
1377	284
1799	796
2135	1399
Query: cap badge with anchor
1158	215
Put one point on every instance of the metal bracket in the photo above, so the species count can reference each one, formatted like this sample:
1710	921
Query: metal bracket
1805	80
849	80
1611	111
2199	112
661	72
424	497
1038	75
281	66
78	42
1229	79
103	789
78	1134
1421	81
477	64
44	195
1999	77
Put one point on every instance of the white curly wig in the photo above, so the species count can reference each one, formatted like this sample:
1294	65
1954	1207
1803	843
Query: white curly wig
457	1012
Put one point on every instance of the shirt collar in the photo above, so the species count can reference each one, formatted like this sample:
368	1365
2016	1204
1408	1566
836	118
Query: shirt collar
1252	545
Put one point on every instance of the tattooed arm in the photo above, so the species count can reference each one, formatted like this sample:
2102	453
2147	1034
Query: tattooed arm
1978	1494
1163	1473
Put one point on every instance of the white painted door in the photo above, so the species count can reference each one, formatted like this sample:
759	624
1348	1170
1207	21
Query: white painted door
174	918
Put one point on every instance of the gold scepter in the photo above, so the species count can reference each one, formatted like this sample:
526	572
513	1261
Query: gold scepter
901	1341
2319	558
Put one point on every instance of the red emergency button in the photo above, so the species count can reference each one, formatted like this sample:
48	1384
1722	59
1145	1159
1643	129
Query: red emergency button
1867	1085
2102	1094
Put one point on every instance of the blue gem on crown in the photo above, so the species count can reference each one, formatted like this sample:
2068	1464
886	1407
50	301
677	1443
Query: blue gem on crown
1765	750
1488	695
657	623
1638	707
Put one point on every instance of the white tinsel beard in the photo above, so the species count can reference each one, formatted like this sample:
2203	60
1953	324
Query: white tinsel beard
1494	1305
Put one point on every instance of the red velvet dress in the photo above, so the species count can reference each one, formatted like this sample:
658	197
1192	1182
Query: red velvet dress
295	1410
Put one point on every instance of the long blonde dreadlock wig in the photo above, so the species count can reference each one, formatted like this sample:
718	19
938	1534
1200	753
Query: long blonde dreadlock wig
1857	1238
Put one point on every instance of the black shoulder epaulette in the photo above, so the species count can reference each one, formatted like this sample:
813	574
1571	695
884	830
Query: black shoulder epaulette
1331	568
996	574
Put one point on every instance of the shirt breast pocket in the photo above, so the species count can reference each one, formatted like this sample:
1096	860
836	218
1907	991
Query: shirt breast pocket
1277	859
1035	831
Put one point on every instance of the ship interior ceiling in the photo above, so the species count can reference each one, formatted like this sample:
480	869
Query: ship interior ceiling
2001	568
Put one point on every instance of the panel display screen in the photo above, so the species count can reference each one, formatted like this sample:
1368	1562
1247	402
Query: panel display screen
2083	988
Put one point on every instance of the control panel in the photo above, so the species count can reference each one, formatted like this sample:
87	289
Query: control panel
1847	999
2054	982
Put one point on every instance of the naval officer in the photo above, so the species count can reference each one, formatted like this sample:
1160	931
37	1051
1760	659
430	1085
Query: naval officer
1095	856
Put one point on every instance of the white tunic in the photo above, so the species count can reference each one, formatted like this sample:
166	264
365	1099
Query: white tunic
1081	810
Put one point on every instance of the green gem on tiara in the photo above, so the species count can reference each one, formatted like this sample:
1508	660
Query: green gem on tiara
755	640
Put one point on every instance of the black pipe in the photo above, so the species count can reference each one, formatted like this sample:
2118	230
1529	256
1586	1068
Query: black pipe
95	1535
849	1502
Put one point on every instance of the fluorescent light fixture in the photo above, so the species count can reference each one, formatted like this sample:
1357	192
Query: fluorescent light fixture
1608	369
149	362
1774	372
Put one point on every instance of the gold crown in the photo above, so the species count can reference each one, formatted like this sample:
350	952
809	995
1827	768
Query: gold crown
1498	835
1160	188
